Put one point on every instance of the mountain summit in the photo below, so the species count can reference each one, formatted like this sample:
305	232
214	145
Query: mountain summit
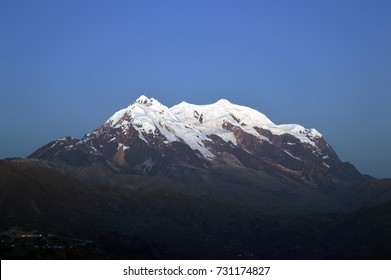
190	142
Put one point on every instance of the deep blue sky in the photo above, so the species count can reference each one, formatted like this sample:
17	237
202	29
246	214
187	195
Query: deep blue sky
66	66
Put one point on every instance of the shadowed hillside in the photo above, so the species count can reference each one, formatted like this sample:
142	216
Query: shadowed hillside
154	218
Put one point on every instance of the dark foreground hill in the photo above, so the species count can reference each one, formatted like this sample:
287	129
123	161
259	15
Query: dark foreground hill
45	214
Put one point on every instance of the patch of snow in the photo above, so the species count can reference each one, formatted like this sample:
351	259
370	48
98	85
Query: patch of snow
142	138
54	144
291	155
120	145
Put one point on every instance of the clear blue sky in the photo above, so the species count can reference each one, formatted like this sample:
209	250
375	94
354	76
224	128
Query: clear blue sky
66	66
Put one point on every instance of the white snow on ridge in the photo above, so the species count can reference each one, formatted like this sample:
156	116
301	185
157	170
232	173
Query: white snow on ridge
117	116
221	110
305	135
215	114
149	116
193	123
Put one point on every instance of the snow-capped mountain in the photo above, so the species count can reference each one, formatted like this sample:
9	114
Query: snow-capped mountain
185	141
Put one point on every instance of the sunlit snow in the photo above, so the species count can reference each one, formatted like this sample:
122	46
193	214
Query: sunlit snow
193	124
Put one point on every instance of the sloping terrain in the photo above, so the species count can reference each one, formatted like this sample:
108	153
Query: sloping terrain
154	218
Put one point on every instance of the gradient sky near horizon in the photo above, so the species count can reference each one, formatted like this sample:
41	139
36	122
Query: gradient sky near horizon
67	66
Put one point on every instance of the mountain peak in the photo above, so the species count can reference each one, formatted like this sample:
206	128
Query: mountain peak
143	99
223	102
